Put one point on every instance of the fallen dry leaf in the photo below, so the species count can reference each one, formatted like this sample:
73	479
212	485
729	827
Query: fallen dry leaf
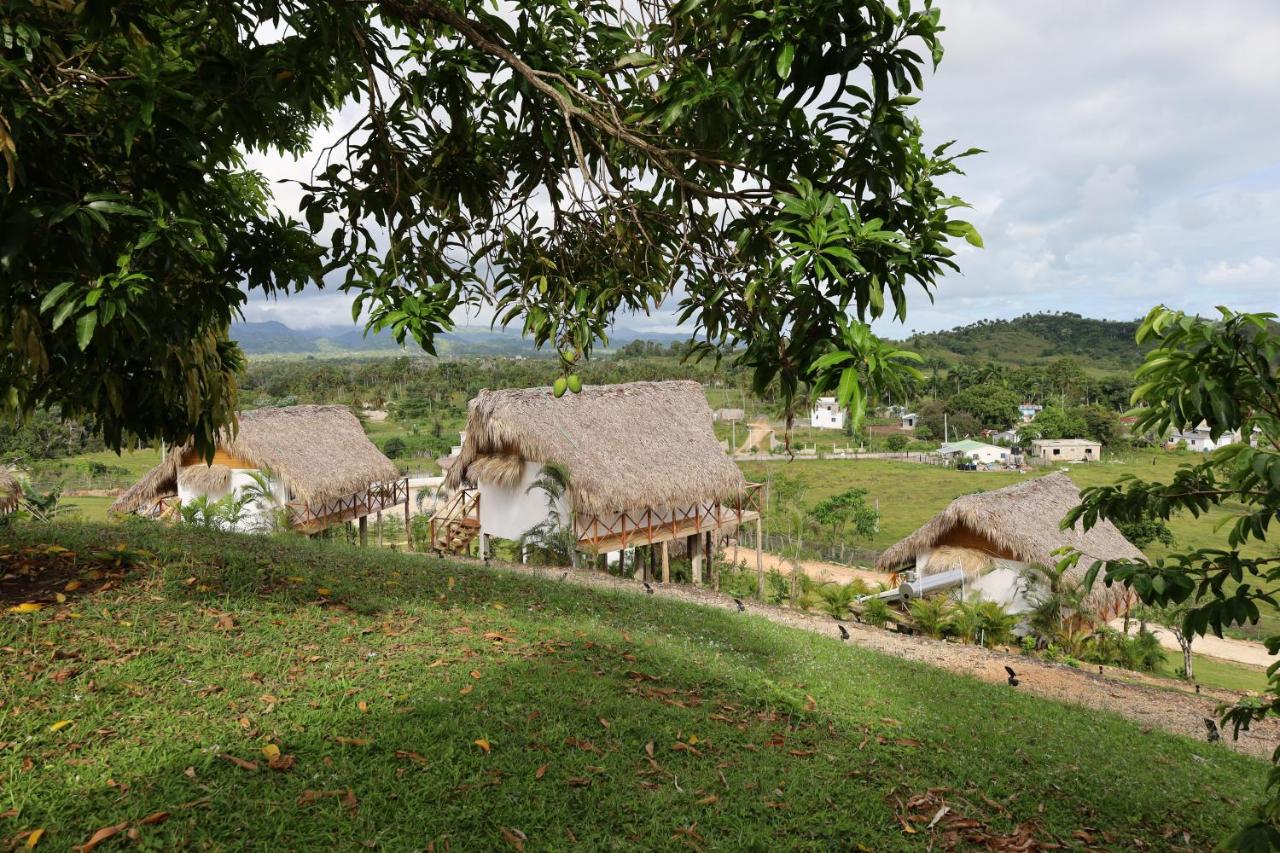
648	749
514	837
26	607
154	818
59	726
415	757
475	673
34	838
540	772
102	835
577	781
465	690
483	744
351	741
708	800
271	751
240	762
363	706
71	586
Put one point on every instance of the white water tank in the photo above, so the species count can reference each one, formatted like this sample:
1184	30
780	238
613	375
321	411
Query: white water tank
915	587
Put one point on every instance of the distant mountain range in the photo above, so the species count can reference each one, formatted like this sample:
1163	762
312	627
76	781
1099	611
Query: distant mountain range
1106	345
275	338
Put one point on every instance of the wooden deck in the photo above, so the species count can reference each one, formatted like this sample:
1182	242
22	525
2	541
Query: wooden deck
669	531
379	497
645	527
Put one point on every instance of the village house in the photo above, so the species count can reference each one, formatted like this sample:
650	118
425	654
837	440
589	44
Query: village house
1028	411
728	416
826	414
318	467
1066	449
643	467
1200	439
909	420
993	536
969	450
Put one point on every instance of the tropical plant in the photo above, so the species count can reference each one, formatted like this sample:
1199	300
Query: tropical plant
551	541
836	599
258	498
567	161
1055	598
1221	371
932	615
876	612
42	505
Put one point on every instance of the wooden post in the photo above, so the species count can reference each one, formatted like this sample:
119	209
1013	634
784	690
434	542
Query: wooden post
379	528
711	567
484	547
759	561
408	531
695	557
364	531
666	564
651	569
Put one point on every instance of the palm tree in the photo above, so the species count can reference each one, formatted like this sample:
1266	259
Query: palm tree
1055	599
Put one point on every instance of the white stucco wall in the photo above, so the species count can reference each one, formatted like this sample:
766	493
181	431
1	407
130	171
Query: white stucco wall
509	511
826	415
256	517
1002	584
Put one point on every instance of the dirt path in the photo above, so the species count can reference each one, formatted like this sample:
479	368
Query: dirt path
816	569
1224	648
1158	703
757	432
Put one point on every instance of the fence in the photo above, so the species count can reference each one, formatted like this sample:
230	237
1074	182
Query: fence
776	543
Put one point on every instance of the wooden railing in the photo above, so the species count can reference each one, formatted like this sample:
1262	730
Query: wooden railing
463	506
645	526
376	498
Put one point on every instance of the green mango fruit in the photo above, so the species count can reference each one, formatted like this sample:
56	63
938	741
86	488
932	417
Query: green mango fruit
558	388
575	383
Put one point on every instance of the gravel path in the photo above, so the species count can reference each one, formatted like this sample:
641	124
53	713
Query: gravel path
1158	703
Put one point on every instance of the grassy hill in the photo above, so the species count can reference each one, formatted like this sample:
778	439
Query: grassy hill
409	703
1036	339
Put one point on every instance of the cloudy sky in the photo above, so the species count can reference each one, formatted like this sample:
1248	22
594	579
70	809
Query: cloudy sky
1133	159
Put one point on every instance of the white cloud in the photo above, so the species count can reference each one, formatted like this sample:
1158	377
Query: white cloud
1256	270
1131	160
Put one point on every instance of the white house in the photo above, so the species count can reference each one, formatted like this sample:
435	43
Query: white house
1029	411
826	414
318	467
909	420
1066	449
1199	439
974	451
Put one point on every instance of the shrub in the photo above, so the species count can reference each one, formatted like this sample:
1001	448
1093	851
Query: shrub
875	612
897	442
932	615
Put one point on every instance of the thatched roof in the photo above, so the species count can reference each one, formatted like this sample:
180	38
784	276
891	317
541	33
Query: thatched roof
626	447
1022	522
10	491
320	453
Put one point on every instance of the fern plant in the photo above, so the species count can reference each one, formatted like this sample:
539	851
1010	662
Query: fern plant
932	615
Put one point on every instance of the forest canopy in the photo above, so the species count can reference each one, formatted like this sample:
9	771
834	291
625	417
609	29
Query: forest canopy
560	161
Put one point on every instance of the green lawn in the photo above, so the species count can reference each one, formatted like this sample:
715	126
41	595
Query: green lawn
415	703
1213	672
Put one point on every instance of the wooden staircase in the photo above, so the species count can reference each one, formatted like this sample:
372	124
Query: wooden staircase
456	523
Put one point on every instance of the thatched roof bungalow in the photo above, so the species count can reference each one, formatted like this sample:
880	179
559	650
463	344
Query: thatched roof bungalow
318	460
10	491
642	459
992	535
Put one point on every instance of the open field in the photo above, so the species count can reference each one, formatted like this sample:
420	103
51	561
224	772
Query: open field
527	709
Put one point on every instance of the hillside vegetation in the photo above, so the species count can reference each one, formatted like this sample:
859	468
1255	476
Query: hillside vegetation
1036	339
204	690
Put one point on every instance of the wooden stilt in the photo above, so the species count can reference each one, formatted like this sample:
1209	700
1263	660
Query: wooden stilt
666	564
759	561
484	546
379	528
408	530
695	557
364	531
710	557
651	569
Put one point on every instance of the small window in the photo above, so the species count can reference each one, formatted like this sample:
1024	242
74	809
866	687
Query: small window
1056	451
